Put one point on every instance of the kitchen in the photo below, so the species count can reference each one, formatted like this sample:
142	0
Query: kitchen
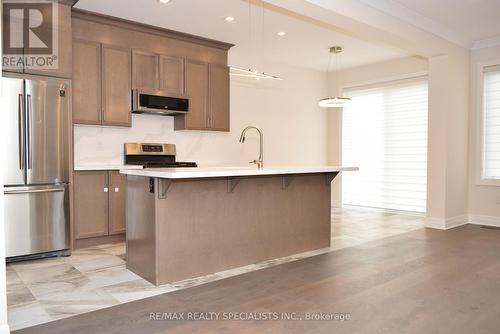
153	160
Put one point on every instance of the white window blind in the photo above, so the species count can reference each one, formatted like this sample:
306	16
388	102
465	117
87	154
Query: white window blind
385	133
491	123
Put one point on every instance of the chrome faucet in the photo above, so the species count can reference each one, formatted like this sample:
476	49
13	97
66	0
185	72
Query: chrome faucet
260	161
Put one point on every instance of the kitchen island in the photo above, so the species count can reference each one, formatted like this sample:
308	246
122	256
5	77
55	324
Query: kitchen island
189	222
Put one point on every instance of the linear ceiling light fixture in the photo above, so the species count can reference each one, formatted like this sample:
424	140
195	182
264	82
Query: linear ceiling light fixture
335	101
253	72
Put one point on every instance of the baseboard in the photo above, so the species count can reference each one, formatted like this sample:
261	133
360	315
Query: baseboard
90	242
4	329
484	220
446	224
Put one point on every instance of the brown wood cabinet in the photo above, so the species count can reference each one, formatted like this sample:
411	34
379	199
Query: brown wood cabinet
87	82
218	97
116	85
146	57
145	70
101	84
172	75
157	72
207	86
64	50
196	74
99	203
117	200
91	204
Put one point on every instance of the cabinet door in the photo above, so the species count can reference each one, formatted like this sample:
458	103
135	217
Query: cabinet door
197	91
172	75
117	201
86	82
64	40
90	204
145	70
219	97
116	85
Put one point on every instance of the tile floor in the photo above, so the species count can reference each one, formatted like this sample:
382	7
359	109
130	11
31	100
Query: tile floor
94	278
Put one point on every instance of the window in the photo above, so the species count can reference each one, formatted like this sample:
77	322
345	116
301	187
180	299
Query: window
491	123
384	132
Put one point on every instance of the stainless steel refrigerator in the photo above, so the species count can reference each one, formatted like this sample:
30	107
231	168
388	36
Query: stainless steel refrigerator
36	165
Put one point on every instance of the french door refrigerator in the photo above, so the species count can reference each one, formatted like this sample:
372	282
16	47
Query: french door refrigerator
36	165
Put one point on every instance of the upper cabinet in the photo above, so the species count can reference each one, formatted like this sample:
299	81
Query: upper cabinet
116	86
218	87
101	84
86	82
157	72
145	70
196	75
207	87
61	47
172	75
148	58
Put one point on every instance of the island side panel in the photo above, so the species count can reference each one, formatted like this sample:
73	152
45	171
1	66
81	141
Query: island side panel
141	228
203	228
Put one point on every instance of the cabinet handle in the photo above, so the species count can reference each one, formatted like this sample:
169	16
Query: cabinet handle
106	189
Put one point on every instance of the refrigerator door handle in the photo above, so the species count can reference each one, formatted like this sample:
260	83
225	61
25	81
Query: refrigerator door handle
31	191
20	130
28	134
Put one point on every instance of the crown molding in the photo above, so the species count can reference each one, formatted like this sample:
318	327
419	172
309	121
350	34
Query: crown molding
486	43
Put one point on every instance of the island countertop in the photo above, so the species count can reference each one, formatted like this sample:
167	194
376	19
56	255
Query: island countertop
207	172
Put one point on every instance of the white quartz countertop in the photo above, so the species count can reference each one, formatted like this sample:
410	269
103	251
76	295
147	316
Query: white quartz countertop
85	167
202	172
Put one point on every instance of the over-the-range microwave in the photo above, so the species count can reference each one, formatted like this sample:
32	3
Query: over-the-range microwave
145	101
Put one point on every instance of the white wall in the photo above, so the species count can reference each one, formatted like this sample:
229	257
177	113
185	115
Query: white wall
295	128
483	206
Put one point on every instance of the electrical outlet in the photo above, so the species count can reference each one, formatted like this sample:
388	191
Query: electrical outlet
498	201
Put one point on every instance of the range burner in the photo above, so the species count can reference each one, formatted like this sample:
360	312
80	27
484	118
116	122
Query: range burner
153	156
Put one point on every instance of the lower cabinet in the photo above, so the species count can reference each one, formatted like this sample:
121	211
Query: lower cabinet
117	200
99	204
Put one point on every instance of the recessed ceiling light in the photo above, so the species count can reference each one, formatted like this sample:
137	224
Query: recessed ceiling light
164	1
229	18
281	33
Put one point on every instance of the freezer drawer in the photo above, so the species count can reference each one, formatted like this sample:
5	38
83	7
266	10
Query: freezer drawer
36	219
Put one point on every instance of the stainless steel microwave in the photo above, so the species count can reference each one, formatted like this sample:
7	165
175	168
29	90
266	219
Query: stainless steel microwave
158	102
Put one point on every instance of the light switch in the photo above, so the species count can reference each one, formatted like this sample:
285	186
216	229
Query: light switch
117	189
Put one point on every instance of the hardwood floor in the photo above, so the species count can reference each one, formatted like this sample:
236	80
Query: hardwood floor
423	281
94	278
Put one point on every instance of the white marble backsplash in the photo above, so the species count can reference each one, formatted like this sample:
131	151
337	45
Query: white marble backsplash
96	145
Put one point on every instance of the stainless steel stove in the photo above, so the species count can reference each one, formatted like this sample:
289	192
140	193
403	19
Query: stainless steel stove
151	155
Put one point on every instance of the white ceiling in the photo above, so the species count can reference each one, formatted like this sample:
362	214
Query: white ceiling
305	44
469	23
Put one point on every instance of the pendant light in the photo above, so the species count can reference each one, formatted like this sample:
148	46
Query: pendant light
335	101
252	72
